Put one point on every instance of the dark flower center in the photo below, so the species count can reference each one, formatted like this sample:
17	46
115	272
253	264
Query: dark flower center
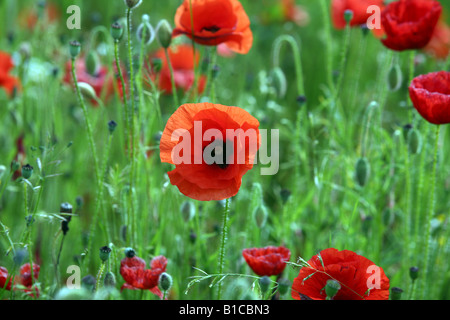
218	155
212	29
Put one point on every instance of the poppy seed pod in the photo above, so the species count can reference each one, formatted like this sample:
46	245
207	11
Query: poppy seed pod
112	126
362	171
414	273
164	32
27	171
396	293
105	252
116	31
132	4
332	288
74	49
66	211
414	141
15	165
145	31
130	253
348	16
165	282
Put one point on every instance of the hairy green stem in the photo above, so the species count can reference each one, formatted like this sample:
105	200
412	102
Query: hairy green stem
223	244
172	78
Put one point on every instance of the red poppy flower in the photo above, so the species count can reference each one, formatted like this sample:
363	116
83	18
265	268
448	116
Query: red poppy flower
268	261
409	24
102	81
137	277
430	95
215	22
294	13
355	274
183	62
182	144
3	278
439	45
7	81
359	9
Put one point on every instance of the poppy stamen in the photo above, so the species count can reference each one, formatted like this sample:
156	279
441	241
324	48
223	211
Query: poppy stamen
212	29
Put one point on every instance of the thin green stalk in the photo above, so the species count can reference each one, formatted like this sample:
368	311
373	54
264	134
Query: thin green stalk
328	44
223	244
211	79
196	69
344	57
172	78
412	56
124	95
431	207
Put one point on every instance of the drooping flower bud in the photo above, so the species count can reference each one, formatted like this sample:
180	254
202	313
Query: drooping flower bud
278	81
187	210
332	288
264	283
395	77
92	62
165	282
362	171
414	140
164	32
116	31
260	215
74	49
145	31
27	171
105	252
87	91
110	280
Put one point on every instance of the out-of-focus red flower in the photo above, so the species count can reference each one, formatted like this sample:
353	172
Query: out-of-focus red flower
409	24
23	279
102	81
359	9
3	278
268	261
224	51
439	45
355	274
7	81
215	22
137	277
430	95
30	15
220	177
183	62
294	13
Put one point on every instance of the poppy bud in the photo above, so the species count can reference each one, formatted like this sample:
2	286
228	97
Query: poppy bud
19	257
116	31
132	4
15	166
145	31
414	273
130	253
264	283
348	16
123	233
279	82
112	126
260	215
88	282
362	173
283	286
414	141
87	91
165	282
394	78
187	210
332	288
164	31
105	252
27	171
110	280
92	62
74	49
365	29
396	293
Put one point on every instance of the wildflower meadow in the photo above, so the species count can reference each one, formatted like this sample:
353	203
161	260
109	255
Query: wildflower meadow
224	150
